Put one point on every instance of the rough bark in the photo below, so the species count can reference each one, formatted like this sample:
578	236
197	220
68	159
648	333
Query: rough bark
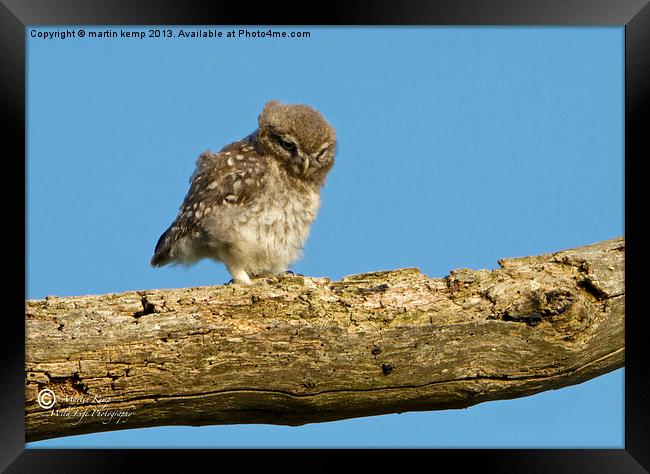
292	350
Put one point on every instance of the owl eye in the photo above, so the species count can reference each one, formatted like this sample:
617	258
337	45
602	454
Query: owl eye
321	154
289	146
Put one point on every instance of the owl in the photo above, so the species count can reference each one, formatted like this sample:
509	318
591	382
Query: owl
251	205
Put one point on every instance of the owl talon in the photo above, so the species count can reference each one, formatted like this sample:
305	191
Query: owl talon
291	273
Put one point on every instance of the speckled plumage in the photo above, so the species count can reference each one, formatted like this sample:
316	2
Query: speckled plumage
251	204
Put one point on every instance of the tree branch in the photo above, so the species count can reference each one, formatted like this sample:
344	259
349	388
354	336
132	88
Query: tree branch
293	350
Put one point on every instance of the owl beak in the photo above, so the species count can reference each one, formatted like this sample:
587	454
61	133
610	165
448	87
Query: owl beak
305	165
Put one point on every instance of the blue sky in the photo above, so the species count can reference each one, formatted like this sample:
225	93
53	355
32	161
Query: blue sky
457	146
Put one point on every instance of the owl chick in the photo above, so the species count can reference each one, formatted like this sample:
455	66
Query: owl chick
251	204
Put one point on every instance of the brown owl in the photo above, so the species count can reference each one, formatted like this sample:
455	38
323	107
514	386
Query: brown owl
251	204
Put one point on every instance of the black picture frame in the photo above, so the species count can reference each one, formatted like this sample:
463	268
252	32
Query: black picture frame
15	15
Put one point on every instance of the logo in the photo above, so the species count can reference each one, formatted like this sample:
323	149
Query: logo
46	398
87	407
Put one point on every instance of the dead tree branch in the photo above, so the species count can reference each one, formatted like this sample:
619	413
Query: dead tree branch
294	350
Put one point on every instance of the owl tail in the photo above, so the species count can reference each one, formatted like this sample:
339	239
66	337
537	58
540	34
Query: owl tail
161	255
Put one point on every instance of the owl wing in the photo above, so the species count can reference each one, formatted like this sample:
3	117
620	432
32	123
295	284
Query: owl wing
231	177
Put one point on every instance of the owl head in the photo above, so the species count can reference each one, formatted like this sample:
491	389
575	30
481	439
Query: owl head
299	138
